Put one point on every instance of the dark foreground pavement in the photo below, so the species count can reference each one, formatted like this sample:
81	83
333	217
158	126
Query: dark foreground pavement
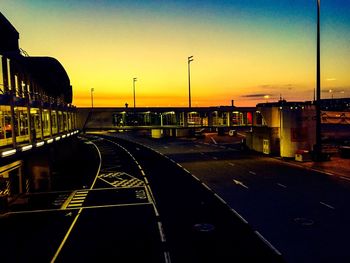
171	217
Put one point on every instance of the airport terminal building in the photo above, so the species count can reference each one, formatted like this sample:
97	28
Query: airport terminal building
35	107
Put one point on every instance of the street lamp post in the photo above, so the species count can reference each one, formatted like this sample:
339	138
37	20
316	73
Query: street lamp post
189	60
134	80
318	147
92	98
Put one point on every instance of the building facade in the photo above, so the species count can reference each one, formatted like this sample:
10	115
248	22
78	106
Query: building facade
283	128
35	110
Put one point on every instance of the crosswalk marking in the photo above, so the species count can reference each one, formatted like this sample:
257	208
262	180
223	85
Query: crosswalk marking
121	179
73	205
76	199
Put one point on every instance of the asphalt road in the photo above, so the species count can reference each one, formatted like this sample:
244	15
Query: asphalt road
303	213
199	226
137	207
111	218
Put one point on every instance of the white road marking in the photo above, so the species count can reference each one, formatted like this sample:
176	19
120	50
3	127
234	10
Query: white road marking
240	183
80	210
215	158
75	202
79	198
213	140
202	153
345	178
161	232
327	205
281	185
232	164
253	173
267	243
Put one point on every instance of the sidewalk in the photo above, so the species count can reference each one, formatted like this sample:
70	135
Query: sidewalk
337	166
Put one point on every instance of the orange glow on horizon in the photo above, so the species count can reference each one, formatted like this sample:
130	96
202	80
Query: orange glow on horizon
235	57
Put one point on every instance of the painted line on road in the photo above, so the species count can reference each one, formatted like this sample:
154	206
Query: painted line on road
207	187
267	243
78	198
161	232
146	180
167	257
231	164
202	153
152	201
213	140
71	208
239	216
215	158
222	200
327	205
80	195
281	185
66	236
187	171
253	173
307	168
80	210
345	178
240	183
66	203
106	182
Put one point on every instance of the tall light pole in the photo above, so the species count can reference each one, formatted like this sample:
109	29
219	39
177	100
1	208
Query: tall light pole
92	98
133	81
318	147
189	60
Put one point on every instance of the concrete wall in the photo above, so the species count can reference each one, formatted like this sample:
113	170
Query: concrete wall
298	130
255	139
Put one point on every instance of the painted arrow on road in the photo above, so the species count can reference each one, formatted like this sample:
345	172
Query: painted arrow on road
240	183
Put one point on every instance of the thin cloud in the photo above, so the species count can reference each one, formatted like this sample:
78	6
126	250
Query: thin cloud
259	95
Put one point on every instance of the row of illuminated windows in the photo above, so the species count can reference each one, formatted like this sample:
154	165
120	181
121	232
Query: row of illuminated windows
215	118
28	125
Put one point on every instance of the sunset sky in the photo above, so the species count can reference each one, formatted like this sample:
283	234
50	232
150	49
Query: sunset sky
242	49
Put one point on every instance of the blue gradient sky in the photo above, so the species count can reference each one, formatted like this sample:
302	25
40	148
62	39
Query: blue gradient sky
242	50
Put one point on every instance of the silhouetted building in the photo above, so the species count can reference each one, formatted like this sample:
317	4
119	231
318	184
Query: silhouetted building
342	104
35	110
8	35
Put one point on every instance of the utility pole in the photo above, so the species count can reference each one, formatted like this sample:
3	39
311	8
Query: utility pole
92	98
134	80
189	60
318	146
